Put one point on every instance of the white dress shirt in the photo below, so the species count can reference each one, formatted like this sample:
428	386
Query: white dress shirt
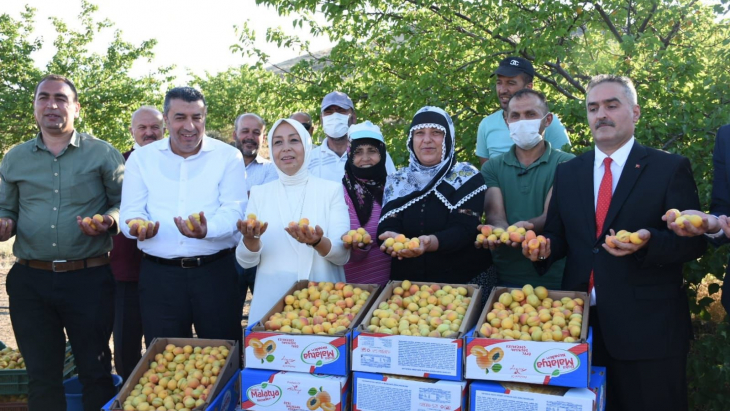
325	163
260	171
618	162
160	185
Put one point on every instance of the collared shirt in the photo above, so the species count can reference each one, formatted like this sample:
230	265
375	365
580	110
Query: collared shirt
524	190
260	171
493	135
44	193
161	185
325	163
618	162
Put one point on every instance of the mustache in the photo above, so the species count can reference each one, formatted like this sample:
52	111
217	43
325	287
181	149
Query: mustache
249	141
605	123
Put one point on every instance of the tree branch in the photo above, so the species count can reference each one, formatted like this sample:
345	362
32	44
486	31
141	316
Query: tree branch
560	70
607	20
557	86
645	23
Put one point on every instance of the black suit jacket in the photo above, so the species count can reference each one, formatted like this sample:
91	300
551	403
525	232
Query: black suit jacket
642	304
721	196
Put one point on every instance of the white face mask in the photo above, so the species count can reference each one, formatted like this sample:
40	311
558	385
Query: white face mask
526	133
335	125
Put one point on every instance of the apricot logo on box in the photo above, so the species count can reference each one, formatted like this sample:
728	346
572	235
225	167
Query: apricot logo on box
264	394
319	354
556	362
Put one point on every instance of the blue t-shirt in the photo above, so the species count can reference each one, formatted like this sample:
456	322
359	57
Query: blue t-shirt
493	135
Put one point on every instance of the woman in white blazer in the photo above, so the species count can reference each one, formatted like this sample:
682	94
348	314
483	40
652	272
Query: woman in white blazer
285	252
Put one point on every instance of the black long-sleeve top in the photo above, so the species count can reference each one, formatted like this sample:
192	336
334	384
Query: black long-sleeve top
457	260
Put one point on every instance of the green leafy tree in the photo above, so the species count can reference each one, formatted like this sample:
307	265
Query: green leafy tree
107	92
393	57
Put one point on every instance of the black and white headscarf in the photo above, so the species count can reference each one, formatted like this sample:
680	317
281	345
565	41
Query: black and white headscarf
451	182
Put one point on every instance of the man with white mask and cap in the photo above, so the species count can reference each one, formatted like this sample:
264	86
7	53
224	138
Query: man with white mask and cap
328	160
520	183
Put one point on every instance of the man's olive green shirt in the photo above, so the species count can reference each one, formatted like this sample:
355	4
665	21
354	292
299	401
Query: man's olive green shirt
43	194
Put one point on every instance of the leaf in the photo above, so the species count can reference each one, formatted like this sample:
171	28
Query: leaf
319	363
486	370
312	391
263	385
497	367
556	373
270	358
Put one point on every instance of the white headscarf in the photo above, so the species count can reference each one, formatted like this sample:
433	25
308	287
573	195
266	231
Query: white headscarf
300	177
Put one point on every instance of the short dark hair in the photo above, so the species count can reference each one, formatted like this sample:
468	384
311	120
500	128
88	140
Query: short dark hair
530	92
57	77
186	94
527	78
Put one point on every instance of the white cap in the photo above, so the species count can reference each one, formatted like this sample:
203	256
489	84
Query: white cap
365	129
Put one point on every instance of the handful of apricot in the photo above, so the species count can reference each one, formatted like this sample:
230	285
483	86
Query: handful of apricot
682	219
401	242
251	220
321	308
357	236
140	223
513	234
302	222
425	311
189	222
528	314
624	237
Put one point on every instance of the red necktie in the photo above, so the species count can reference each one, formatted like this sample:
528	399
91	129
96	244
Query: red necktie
604	201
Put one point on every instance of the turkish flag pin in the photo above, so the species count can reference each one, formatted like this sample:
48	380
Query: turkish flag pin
638	166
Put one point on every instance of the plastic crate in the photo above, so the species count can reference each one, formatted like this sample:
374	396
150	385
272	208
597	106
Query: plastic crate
14	406
14	382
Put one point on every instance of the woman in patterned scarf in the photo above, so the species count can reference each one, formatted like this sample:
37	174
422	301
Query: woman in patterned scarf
437	200
364	182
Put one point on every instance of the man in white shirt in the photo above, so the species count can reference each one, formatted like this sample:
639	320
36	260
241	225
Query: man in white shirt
248	132
328	160
187	276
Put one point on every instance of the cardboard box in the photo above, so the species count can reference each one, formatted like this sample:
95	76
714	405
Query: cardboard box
533	362
323	354
292	391
487	396
378	392
229	369
227	400
428	357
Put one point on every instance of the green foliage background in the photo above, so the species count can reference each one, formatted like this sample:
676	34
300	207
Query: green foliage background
395	56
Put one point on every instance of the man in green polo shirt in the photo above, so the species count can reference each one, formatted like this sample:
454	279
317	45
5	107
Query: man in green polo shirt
49	187
520	182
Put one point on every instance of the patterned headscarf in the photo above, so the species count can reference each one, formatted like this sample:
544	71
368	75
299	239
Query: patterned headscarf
413	183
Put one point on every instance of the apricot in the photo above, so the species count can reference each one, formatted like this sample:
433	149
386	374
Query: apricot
189	223
504	237
530	235
496	354
328	406
498	231
681	220
313	403
304	221
400	238
541	292
511	229
694	219
505	298
398	246
480	238
623	236
389	242
347	239
672	211
609	241
635	239
493	238
515	237
517	295
484	361
486	230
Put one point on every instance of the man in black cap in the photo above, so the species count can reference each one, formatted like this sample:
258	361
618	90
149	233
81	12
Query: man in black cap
513	74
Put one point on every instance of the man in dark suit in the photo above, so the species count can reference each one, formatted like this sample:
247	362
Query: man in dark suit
715	226
639	311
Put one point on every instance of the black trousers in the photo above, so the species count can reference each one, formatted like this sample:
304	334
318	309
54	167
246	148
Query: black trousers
246	280
640	385
127	328
42	304
173	299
